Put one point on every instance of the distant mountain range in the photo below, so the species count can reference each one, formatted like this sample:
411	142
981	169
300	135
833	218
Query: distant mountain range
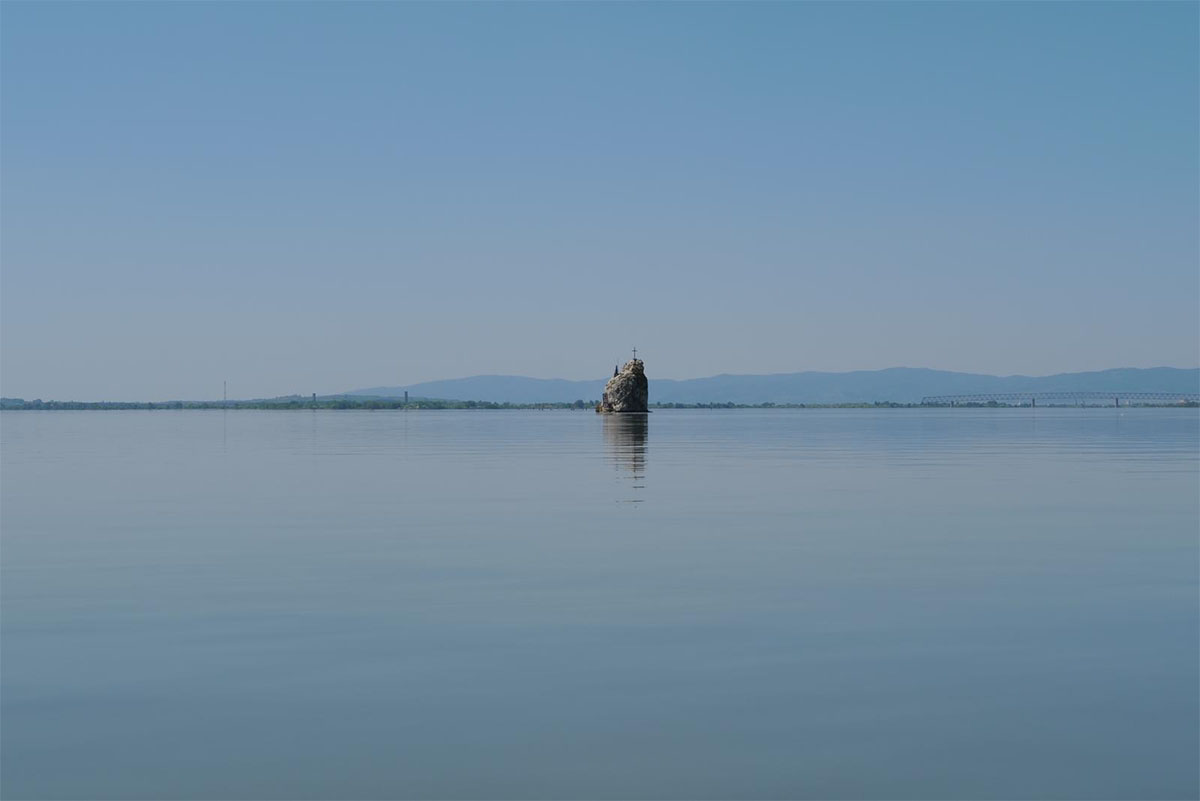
897	384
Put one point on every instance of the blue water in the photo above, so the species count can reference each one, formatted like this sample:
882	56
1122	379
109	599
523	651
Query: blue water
946	603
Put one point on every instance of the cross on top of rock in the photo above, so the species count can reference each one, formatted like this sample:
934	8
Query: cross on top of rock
635	354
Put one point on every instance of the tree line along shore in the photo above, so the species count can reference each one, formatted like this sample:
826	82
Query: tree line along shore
20	404
381	404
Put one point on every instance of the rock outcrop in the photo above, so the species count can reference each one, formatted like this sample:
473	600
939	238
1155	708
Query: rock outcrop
628	390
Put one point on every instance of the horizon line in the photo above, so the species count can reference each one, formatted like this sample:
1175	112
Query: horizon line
349	392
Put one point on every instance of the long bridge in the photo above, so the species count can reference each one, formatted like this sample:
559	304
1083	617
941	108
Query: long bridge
1076	398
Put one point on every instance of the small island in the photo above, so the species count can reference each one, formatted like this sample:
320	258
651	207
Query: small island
628	390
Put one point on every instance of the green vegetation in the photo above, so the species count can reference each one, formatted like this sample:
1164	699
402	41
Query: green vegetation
374	404
291	402
369	403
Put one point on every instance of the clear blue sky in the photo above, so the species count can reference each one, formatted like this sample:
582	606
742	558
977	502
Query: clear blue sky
305	197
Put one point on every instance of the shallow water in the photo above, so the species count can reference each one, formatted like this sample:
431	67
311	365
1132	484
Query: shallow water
946	603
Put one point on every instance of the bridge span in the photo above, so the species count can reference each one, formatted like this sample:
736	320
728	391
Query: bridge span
1076	398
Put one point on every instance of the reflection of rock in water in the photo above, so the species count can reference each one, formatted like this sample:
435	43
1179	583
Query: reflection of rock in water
625	435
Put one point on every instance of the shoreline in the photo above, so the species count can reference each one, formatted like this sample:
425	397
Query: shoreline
343	404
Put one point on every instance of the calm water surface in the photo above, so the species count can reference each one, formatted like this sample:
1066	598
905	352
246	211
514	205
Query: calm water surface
734	604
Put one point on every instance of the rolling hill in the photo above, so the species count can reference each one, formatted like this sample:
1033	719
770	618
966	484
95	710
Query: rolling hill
897	384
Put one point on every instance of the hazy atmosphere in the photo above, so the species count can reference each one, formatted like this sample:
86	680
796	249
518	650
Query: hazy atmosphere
626	400
315	198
